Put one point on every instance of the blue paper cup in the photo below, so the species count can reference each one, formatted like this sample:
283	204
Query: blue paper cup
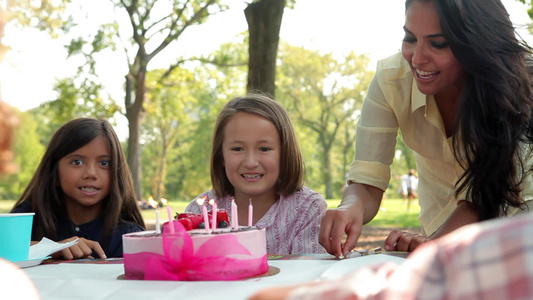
15	236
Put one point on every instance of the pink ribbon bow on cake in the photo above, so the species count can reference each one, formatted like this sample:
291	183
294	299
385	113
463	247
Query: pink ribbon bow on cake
211	261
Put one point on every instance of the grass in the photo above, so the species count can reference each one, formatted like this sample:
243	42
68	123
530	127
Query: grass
6	206
393	212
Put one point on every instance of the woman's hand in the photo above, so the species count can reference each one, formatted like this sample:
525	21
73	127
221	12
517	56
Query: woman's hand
404	241
359	205
83	249
334	225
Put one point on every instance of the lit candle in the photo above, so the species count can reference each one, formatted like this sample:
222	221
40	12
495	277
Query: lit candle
213	214
250	214
234	215
201	201
169	212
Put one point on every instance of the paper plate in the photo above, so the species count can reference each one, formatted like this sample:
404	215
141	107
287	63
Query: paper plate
30	263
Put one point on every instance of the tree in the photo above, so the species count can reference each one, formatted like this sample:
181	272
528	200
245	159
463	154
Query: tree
46	16
264	23
182	106
155	24
170	106
146	24
327	97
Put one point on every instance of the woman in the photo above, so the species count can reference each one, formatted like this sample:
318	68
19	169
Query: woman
460	93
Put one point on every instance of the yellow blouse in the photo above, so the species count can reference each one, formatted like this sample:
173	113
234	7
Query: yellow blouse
394	102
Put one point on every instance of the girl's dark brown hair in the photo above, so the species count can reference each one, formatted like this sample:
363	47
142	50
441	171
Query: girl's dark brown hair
291	169
44	194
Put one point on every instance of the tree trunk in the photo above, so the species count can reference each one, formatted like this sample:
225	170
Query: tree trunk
326	165
162	169
347	147
264	22
134	114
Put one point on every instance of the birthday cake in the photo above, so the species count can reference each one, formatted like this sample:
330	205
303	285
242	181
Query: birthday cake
195	254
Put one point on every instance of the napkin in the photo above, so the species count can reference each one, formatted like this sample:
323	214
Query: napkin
46	247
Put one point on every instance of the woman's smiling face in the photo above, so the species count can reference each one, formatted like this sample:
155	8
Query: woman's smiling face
425	48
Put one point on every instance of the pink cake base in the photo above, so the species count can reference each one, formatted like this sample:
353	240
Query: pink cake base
195	255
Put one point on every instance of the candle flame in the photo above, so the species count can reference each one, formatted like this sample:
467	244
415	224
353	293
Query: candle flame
164	201
211	201
152	202
201	200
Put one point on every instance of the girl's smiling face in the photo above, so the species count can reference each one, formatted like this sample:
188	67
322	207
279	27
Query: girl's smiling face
84	176
251	151
435	68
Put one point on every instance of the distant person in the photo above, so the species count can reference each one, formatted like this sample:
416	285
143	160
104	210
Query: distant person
256	156
83	189
409	184
460	92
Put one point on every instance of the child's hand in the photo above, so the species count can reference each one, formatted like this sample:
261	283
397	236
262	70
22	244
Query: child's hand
403	241
83	249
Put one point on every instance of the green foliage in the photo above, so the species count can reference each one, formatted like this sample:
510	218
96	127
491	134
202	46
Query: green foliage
80	97
170	105
323	94
393	213
45	15
28	151
182	107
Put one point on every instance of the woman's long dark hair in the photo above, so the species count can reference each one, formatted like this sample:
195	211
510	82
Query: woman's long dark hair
45	197
494	120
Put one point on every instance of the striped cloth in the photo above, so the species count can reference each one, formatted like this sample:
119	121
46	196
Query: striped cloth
488	260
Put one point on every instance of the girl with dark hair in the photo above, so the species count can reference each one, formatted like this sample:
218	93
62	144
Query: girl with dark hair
256	157
83	189
460	92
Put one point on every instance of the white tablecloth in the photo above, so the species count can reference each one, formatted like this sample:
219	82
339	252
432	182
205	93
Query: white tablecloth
99	281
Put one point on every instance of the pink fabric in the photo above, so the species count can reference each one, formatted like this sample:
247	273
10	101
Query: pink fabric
209	262
292	224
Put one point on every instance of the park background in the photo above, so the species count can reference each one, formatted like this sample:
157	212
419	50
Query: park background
70	59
